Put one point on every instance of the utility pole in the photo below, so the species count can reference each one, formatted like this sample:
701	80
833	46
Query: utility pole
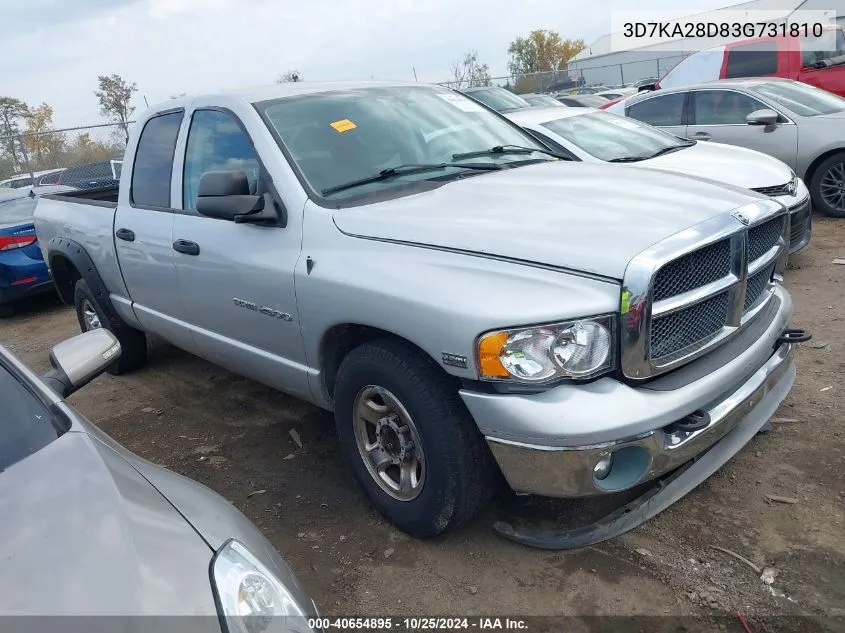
415	73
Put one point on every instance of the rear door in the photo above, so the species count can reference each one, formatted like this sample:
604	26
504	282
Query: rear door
142	229
664	110
238	279
719	115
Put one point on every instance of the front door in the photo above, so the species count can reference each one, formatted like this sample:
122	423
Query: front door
238	279
719	116
142	234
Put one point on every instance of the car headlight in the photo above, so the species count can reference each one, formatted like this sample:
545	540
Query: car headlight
582	348
249	596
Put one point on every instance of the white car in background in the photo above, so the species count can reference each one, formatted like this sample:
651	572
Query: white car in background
597	136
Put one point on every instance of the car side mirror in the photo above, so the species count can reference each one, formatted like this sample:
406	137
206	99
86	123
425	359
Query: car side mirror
762	117
225	194
78	360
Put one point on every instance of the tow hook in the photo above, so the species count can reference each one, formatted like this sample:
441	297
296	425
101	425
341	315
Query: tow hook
793	336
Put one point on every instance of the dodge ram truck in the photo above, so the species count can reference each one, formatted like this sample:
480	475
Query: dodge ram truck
465	301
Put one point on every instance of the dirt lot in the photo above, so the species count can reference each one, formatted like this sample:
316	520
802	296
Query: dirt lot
234	436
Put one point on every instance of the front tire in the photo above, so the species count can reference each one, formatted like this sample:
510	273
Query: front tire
133	343
827	186
410	441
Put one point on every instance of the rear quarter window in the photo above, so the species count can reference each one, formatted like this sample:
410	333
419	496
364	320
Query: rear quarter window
153	164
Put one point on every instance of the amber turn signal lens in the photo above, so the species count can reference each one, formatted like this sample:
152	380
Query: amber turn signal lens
489	348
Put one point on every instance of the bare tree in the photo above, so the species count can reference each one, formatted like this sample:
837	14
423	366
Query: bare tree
468	72
289	77
114	96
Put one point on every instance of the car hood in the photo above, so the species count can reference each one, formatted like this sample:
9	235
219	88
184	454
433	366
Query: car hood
578	216
734	165
84	534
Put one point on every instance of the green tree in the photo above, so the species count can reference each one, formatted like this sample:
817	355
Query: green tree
12	111
115	95
87	150
43	144
541	51
468	72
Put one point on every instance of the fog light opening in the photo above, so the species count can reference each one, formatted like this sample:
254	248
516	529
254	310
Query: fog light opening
621	469
603	466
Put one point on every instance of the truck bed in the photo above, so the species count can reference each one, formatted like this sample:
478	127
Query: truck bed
101	197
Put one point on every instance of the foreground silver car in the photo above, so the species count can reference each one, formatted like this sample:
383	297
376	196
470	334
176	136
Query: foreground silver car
801	125
91	529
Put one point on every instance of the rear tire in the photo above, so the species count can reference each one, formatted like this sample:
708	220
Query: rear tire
455	476
827	186
133	343
7	310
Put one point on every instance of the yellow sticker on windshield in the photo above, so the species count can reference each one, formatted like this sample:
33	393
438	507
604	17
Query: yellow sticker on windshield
344	125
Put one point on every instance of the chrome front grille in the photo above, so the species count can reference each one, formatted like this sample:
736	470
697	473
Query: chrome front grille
757	284
777	190
679	330
693	271
763	237
690	292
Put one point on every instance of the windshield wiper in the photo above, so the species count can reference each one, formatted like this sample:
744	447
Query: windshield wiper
508	149
660	152
628	159
402	170
672	148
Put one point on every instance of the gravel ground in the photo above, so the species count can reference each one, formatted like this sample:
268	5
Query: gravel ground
234	435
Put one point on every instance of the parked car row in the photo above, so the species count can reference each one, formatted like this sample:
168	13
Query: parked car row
799	124
85	176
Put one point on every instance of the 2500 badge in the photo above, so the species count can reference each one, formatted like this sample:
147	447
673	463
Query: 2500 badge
249	305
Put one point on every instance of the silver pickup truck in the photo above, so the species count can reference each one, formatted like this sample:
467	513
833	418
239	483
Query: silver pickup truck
462	299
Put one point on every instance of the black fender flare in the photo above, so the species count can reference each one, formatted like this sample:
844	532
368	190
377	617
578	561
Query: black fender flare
76	254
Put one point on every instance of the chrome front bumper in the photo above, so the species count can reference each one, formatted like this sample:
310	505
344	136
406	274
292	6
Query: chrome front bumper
549	443
569	471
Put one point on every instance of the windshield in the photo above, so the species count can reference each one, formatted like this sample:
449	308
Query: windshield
802	99
17	210
25	426
338	137
610	137
542	100
500	99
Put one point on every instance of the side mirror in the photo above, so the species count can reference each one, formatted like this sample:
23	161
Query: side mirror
225	194
762	117
78	360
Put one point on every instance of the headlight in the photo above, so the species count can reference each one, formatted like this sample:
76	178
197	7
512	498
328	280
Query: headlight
544	353
250	597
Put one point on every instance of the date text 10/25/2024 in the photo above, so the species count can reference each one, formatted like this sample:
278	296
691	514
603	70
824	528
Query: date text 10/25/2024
418	624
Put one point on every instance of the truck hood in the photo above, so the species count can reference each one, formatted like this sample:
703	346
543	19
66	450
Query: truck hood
733	165
580	216
84	534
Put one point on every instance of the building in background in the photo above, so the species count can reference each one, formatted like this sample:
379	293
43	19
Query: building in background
598	64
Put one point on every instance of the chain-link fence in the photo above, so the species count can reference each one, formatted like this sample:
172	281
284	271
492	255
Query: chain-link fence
81	157
582	73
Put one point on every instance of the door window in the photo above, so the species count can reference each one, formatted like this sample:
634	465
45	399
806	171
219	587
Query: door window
153	165
752	60
216	142
722	107
660	111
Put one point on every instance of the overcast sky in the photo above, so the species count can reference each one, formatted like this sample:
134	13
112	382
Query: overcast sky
53	50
